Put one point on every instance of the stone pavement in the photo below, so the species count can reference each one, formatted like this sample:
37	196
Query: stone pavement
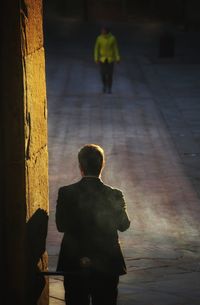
150	130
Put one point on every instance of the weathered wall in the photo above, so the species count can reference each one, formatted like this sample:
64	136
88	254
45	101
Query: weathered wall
23	154
35	122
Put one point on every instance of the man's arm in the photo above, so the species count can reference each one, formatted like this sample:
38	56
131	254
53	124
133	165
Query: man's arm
60	212
116	50
96	50
123	221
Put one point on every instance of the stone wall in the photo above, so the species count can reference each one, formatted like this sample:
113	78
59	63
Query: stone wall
35	123
23	154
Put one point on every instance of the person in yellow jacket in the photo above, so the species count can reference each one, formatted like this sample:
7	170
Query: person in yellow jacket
106	53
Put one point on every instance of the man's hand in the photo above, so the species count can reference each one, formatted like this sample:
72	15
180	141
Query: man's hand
85	262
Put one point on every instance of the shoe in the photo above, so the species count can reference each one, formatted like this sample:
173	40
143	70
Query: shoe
109	91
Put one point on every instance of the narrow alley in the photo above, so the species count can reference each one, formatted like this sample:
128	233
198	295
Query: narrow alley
150	130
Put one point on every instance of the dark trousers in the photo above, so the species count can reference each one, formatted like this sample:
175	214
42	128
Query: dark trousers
106	70
100	289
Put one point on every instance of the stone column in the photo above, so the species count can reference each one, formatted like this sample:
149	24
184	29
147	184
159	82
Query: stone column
23	154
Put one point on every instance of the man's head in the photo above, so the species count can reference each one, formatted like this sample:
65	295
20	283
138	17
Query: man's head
91	159
105	30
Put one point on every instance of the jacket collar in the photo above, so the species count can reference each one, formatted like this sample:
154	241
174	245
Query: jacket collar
91	178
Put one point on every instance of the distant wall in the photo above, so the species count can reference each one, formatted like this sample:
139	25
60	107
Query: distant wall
165	10
192	11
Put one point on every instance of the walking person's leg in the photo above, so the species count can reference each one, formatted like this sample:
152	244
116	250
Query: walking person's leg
103	75
76	290
110	69
104	289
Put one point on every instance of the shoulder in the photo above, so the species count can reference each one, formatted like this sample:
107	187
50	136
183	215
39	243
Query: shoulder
116	192
115	196
71	188
112	37
99	37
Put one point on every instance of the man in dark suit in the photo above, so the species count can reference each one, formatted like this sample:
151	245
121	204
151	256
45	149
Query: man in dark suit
90	214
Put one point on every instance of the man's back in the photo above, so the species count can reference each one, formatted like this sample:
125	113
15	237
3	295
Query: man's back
90	213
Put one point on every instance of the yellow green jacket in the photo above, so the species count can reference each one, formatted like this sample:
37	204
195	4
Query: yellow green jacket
106	48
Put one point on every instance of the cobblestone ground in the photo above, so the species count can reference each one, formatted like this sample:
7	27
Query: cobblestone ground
150	130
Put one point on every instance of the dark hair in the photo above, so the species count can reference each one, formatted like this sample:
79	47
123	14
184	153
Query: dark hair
106	28
91	159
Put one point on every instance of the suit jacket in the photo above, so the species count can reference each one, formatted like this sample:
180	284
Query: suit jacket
90	214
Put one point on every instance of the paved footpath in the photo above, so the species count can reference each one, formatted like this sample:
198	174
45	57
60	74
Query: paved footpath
150	130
